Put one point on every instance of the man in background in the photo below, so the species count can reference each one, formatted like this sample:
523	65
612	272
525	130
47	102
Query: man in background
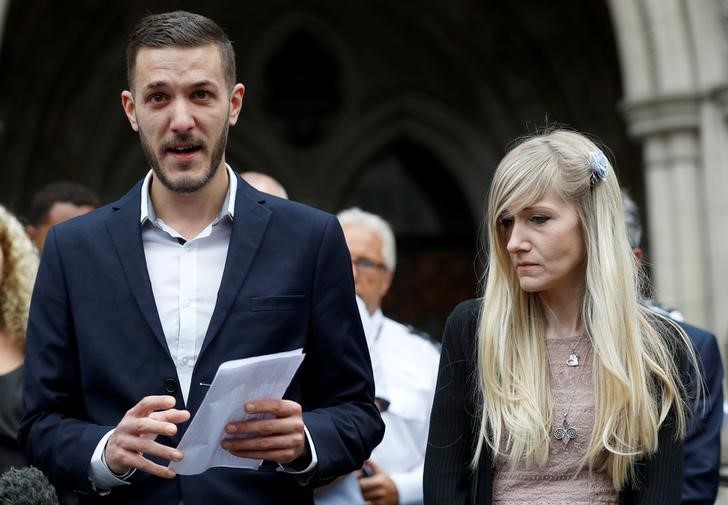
405	366
702	442
55	203
265	183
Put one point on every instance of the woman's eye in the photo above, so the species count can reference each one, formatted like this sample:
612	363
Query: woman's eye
539	219
505	222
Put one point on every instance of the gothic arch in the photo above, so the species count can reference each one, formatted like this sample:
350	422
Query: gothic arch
449	137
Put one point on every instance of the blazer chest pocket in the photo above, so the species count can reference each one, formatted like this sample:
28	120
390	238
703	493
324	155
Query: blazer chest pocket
277	303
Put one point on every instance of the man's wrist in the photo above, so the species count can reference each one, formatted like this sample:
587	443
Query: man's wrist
303	473
101	477
121	476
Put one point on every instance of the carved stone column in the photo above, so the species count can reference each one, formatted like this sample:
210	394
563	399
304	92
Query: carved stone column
673	58
669	130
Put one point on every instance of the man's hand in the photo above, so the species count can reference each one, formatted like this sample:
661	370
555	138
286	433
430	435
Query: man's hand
279	436
378	489
135	435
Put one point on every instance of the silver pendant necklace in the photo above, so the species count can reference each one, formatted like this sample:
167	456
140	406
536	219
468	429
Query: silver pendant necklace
566	432
573	357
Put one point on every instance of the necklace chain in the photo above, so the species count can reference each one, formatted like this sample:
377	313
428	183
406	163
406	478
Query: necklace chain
565	432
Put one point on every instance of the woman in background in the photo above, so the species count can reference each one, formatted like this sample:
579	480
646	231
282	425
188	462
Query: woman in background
18	265
557	386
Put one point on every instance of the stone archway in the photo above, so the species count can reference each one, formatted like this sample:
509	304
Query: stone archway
411	187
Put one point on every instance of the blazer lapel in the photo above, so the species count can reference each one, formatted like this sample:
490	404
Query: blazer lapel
249	225
125	230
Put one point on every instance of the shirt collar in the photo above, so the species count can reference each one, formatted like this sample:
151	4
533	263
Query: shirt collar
377	319
227	210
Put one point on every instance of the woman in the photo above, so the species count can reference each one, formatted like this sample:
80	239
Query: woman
557	386
18	265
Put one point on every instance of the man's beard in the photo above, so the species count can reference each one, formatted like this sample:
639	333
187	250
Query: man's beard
185	183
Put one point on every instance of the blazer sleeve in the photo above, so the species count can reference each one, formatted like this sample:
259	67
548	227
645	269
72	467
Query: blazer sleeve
448	473
702	443
344	423
659	477
55	437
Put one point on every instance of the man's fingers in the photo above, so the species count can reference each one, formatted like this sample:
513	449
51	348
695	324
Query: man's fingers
263	444
282	448
143	464
260	427
142	426
373	494
374	467
149	404
369	484
279	408
125	445
136	433
171	415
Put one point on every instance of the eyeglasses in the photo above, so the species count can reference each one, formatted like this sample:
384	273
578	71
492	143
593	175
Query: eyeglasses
368	264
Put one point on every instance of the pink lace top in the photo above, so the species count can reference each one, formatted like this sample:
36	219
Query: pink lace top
556	483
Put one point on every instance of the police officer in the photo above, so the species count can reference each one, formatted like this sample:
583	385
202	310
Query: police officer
405	365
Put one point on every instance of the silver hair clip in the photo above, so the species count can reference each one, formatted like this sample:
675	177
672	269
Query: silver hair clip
599	166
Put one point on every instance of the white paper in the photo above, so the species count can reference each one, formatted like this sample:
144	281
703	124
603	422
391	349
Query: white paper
235	384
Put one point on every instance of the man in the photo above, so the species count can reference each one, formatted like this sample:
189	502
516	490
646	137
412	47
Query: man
265	183
405	373
55	203
702	443
137	304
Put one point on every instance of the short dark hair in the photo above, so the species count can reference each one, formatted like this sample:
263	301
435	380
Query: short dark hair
64	191
179	29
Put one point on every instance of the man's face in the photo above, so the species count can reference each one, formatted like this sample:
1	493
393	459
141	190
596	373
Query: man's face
58	213
182	108
371	277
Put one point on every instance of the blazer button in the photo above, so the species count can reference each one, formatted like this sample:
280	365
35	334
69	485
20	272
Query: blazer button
171	385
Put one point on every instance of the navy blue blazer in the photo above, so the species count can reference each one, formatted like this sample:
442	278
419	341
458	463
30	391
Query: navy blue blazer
95	346
702	443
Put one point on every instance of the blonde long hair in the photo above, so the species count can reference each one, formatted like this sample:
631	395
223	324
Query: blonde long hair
636	380
19	266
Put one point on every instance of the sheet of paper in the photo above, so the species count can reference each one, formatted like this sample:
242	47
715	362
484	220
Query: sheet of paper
235	384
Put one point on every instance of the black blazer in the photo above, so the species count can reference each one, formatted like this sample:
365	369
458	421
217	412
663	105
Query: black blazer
454	426
95	346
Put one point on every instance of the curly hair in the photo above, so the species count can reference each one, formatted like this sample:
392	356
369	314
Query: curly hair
19	266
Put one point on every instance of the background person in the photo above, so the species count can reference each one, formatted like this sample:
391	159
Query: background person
265	183
138	303
55	203
557	385
18	265
405	373
702	442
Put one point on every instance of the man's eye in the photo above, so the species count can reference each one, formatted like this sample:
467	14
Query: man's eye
201	95
156	98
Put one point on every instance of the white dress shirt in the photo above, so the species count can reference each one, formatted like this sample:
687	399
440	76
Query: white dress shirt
185	278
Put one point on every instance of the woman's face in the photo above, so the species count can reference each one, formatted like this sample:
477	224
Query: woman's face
546	245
